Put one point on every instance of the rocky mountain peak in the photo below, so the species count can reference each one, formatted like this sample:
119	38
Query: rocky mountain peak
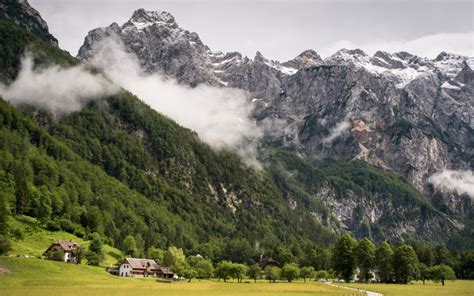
142	18
259	57
21	12
306	59
348	57
443	56
385	59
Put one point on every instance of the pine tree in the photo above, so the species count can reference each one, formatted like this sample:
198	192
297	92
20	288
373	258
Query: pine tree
4	216
22	195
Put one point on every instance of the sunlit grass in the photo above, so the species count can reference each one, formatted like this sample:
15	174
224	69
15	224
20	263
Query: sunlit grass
456	288
36	240
44	277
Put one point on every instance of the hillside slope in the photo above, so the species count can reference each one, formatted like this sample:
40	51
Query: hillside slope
90	175
31	240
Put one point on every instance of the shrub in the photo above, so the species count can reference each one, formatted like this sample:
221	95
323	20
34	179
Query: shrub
5	244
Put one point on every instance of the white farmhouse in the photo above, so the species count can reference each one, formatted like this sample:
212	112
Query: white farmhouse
137	267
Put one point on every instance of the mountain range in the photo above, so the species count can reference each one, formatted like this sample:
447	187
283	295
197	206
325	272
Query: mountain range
371	145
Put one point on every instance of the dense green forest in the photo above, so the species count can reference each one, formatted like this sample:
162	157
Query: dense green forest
119	169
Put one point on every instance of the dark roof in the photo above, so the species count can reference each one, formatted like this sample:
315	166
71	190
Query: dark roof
67	245
166	270
139	263
268	261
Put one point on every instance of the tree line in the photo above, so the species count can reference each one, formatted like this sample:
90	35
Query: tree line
348	259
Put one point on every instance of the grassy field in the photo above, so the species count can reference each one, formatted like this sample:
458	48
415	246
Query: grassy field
36	240
42	277
23	274
456	288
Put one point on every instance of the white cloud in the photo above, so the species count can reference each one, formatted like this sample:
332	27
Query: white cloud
336	131
428	46
461	181
59	90
219	115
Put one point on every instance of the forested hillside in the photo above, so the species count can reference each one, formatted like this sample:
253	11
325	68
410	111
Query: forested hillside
117	167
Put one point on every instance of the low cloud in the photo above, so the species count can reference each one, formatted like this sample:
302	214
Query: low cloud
451	180
56	89
219	115
337	131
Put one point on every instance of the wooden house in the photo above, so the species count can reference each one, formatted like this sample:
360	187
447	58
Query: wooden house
268	262
64	250
137	267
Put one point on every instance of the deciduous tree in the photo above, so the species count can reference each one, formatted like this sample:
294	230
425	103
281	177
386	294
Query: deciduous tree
272	274
290	272
173	256
442	273
365	258
405	264
344	257
383	262
254	272
130	246
307	272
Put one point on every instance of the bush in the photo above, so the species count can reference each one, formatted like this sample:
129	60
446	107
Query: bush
94	258
53	225
79	233
57	255
67	225
323	274
17	234
5	244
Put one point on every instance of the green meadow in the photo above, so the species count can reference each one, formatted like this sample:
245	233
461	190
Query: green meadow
30	276
22	273
451	288
26	276
36	240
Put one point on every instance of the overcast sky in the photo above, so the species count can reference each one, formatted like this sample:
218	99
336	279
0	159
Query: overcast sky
282	29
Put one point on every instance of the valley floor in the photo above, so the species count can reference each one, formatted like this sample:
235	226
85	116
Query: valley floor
456	288
26	276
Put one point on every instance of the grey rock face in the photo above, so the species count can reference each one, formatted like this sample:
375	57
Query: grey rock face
160	45
26	16
404	113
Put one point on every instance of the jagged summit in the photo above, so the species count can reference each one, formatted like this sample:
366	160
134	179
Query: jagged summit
21	12
142	18
142	15
306	59
162	46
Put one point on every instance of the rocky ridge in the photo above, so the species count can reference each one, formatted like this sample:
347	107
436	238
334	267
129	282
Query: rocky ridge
397	111
21	12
